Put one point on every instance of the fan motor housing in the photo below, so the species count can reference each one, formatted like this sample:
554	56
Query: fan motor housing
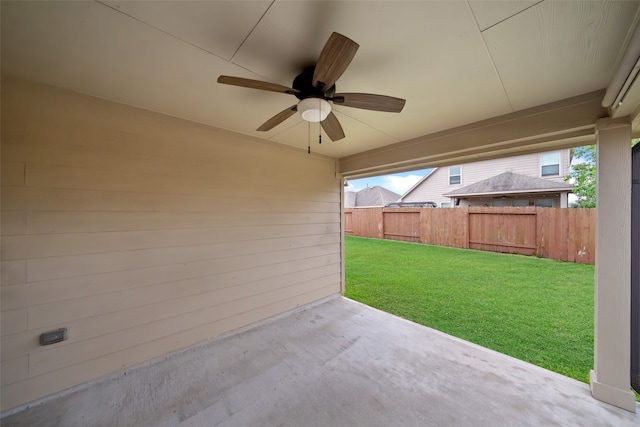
304	83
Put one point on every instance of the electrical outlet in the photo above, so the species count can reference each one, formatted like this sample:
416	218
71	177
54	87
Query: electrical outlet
53	337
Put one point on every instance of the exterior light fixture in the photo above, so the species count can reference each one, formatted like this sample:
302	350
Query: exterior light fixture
314	109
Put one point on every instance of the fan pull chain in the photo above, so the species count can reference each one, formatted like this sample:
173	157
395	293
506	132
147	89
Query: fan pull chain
319	121
308	137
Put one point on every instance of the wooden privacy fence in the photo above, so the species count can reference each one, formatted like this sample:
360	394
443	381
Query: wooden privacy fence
562	234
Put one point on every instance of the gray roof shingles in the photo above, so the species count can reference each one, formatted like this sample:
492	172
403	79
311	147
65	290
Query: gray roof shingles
509	182
349	199
370	196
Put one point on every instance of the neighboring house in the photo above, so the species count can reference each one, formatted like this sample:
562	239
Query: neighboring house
512	189
369	197
526	180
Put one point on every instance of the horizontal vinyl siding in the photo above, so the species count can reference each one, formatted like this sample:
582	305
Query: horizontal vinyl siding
527	164
433	188
437	184
144	234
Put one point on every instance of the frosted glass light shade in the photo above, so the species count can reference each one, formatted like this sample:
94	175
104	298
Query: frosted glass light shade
314	109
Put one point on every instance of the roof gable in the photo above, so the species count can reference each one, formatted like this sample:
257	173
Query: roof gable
417	184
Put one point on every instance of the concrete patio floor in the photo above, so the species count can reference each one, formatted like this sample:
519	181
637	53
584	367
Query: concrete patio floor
337	363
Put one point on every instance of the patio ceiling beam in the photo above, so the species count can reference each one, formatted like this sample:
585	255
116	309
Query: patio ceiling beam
561	124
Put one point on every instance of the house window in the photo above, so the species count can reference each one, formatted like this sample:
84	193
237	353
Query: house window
455	176
520	202
445	205
544	203
498	202
550	164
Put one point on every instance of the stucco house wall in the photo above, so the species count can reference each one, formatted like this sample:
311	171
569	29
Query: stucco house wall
434	185
143	234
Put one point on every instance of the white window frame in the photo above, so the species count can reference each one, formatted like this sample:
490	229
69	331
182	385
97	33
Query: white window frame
543	164
445	204
459	175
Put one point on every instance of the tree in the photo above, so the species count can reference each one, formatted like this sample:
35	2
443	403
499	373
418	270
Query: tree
583	175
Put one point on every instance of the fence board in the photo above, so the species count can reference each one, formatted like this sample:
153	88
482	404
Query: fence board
571	235
562	234
541	239
509	230
365	222
444	227
586	236
552	234
348	222
402	224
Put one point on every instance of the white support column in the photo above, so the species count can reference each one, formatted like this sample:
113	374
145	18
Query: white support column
610	377
343	283
564	200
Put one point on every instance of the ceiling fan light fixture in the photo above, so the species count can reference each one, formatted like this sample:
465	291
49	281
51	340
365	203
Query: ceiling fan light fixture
316	85
314	109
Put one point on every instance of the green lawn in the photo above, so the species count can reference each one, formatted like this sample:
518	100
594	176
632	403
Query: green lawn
536	310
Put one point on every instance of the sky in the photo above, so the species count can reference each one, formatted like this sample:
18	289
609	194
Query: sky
398	182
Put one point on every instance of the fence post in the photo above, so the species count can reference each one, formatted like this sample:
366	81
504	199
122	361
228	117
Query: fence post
466	227
539	234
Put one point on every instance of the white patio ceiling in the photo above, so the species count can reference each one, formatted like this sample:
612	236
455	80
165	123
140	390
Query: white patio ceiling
455	62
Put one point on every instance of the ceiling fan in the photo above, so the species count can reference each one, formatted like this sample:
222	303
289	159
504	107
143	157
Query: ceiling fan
315	88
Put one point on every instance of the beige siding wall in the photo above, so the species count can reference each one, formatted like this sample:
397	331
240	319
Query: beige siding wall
433	188
143	234
528	164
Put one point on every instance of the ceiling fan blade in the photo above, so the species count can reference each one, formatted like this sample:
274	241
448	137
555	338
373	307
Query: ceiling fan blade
335	57
332	127
278	118
256	84
369	101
